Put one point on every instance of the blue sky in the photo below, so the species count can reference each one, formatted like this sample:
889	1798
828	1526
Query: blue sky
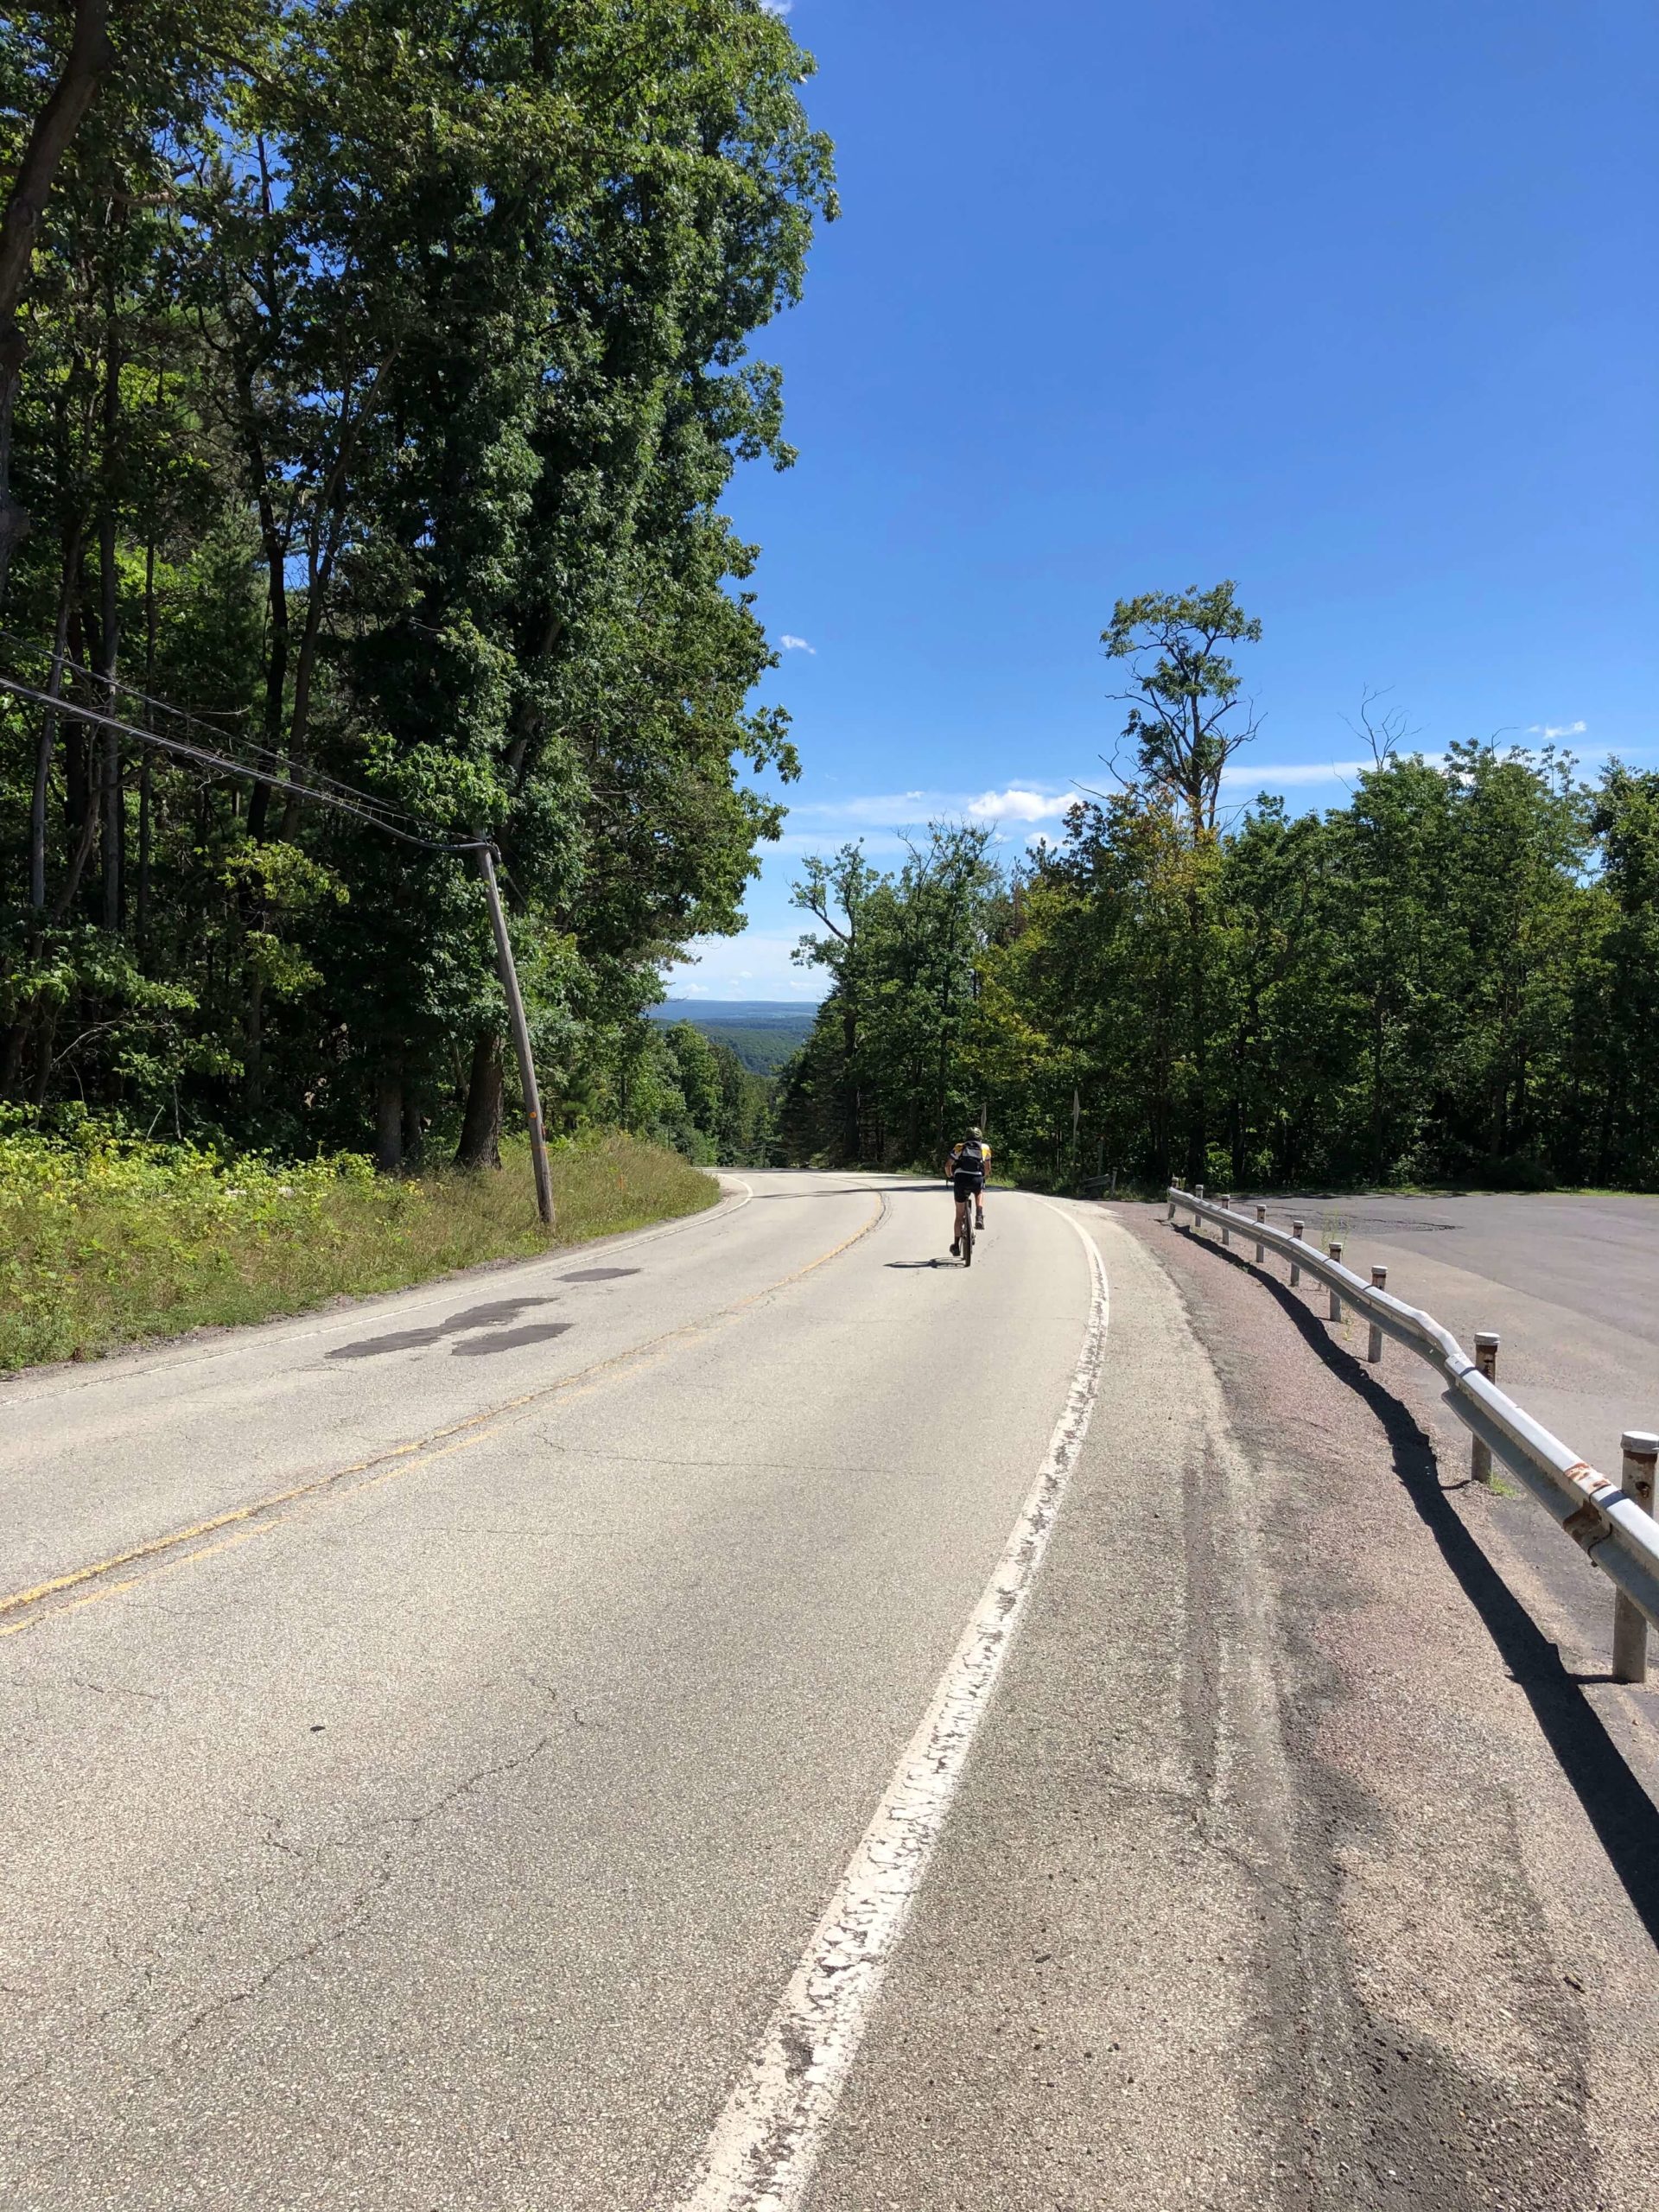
1356	305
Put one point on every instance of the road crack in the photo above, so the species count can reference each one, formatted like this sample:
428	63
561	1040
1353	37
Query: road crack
359	1907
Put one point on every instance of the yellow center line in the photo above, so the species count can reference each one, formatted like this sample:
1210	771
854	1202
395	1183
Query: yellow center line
396	1459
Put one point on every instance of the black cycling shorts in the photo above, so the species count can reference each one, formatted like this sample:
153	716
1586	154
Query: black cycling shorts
968	1183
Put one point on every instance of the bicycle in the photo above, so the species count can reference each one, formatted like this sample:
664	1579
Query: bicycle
967	1210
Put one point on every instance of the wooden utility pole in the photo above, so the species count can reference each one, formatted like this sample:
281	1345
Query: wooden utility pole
520	1038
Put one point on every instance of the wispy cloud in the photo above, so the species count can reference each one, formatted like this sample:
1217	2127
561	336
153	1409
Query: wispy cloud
1276	775
908	810
775	7
791	644
881	810
760	964
1557	729
816	840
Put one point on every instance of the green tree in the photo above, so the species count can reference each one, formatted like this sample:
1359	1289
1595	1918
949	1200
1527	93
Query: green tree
1186	718
389	367
888	1074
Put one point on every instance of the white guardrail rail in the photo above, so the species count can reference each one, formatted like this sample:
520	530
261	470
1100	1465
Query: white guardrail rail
1613	1525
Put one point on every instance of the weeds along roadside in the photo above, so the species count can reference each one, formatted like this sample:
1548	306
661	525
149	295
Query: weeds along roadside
106	1242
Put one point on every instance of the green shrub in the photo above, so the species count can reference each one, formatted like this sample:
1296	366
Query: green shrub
105	1238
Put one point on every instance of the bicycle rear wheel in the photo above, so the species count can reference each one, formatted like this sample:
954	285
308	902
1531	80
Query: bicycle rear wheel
967	1238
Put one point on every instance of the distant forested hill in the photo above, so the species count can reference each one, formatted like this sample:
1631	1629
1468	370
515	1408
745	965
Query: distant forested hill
763	1032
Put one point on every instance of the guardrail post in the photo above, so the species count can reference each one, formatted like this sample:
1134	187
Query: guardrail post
1374	1349
1261	1248
1480	1455
1336	1295
1641	1452
1295	1272
1174	1186
1226	1233
1197	1218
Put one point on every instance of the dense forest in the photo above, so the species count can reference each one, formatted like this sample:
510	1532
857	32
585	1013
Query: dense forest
1453	976
371	374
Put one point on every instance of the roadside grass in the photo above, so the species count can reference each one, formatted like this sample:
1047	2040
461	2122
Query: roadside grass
105	1241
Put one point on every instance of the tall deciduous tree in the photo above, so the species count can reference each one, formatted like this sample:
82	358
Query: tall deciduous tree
1187	719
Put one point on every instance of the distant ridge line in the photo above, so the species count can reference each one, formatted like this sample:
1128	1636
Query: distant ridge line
738	1010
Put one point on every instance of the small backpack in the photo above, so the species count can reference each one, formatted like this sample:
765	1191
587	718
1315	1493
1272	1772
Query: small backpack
971	1158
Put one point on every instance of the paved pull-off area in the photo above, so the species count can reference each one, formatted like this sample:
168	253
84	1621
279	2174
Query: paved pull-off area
756	1715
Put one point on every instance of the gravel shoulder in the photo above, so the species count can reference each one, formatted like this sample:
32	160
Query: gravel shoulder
1295	1865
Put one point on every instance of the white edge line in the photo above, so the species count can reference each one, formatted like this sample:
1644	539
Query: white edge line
766	2143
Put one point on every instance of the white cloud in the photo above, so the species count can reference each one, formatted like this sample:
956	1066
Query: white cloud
1557	729
791	644
1016	805
775	7
909	810
760	964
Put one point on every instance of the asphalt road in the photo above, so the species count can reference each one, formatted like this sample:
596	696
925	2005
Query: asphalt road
1570	1284
435	1730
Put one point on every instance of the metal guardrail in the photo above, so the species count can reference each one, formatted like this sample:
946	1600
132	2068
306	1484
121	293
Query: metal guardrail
1612	1525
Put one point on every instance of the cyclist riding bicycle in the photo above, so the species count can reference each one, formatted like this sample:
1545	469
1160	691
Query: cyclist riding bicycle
965	1171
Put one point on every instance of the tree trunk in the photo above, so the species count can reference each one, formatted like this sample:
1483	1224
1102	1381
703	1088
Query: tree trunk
253	1046
114	813
110	620
853	1102
145	823
49	729
43	1050
414	1132
276	604
324	546
77	791
299	720
16	1037
481	1125
146	836
89	56
65	898
389	1125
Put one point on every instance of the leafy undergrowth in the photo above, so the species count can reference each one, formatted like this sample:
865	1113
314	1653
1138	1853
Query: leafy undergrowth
105	1240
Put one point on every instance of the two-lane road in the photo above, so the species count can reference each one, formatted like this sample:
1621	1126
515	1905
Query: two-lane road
756	1718
445	1830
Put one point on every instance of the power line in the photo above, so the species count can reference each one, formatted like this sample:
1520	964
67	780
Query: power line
319	777
360	803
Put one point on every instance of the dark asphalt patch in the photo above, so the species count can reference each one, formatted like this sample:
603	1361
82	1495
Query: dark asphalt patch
399	1340
472	1317
510	1339
504	1309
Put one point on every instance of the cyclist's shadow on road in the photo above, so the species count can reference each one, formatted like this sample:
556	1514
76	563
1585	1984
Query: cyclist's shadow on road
924	1263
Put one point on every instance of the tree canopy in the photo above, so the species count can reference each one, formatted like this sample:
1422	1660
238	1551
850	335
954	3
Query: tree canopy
385	364
1445	979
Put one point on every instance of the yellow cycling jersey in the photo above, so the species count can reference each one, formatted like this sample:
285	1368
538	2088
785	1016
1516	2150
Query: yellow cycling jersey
957	1151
